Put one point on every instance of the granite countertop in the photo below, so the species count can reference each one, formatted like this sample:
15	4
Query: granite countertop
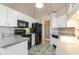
12	40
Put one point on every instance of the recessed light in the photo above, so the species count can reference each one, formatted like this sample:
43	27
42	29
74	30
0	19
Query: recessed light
39	5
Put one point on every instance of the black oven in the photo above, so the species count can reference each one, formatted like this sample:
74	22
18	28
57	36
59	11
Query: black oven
19	31
22	24
22	32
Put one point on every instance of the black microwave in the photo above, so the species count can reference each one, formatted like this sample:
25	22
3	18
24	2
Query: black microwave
22	24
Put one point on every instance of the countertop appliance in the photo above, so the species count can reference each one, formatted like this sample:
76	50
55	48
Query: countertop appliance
22	24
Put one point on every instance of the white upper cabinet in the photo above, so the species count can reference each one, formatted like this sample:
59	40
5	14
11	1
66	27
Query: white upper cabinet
22	16
19	16
3	14
8	16
11	17
62	21
59	22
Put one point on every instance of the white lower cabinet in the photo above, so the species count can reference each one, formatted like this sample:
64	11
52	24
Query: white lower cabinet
17	49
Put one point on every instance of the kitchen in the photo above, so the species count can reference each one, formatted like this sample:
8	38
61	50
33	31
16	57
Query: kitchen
21	33
17	31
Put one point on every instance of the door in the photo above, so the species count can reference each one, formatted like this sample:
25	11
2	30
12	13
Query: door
46	30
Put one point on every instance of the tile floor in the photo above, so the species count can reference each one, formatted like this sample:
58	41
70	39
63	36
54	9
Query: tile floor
41	50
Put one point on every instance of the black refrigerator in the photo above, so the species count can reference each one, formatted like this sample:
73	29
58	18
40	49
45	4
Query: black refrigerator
37	29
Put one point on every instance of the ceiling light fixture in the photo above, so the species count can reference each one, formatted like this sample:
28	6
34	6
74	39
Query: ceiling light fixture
39	5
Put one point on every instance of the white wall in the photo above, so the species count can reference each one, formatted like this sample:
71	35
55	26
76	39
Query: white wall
74	22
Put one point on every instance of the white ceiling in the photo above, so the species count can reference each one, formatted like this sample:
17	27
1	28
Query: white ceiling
31	10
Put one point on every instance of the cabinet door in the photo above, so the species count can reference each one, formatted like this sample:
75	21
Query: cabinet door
54	25
20	16
3	13
11	17
62	21
17	49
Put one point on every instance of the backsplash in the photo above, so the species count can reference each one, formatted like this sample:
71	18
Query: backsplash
7	31
64	31
69	31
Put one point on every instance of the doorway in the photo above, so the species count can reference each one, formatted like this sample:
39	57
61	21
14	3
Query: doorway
46	32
